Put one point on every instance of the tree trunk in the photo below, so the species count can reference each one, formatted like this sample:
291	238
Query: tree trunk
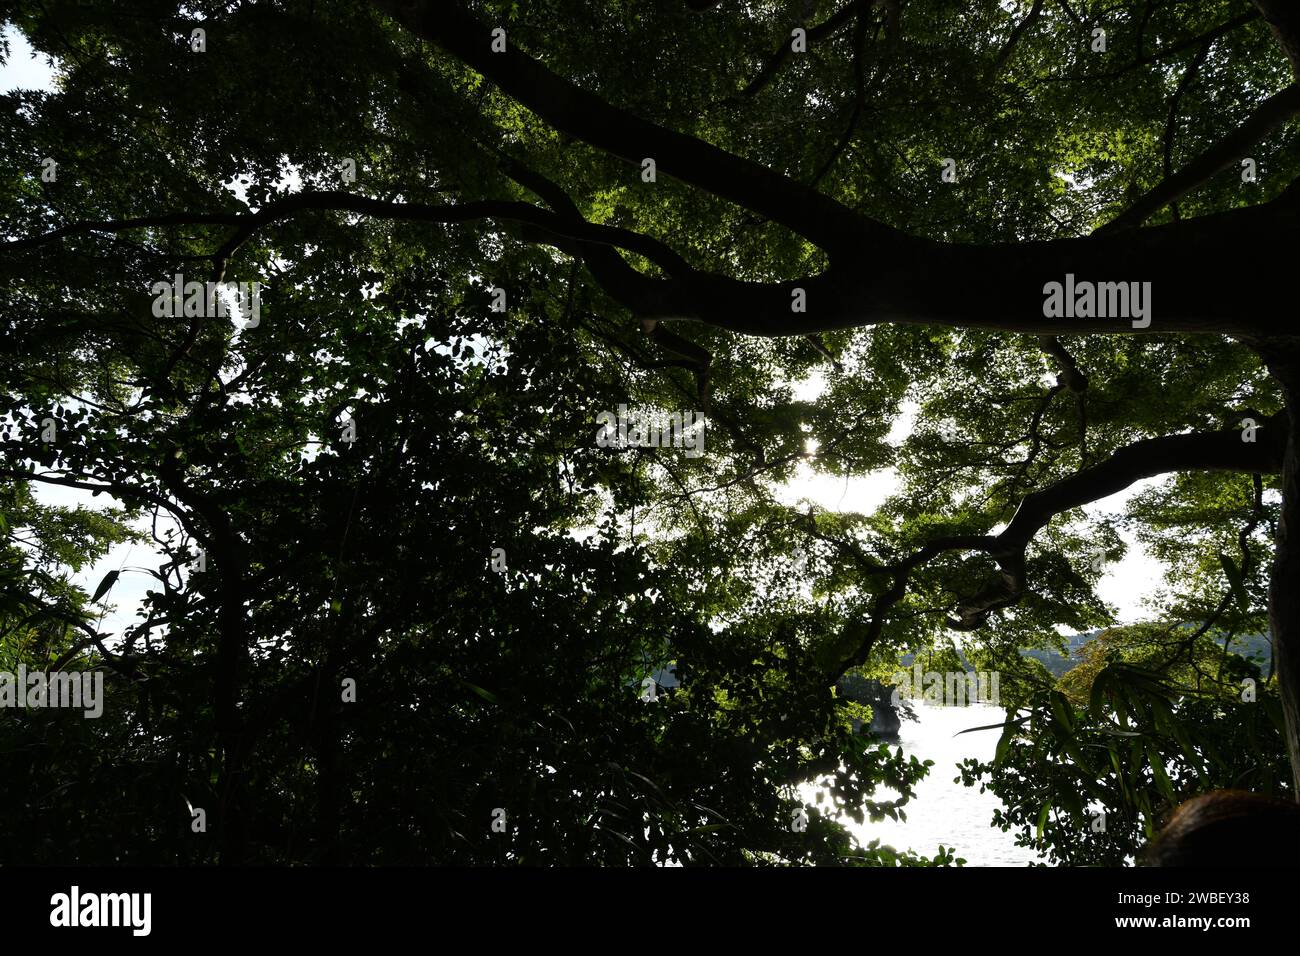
231	653
1284	584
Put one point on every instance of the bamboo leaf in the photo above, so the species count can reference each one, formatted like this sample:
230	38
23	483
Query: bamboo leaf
1042	818
1235	582
109	580
487	695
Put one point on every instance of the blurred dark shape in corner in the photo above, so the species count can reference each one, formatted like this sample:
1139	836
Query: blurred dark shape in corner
1228	828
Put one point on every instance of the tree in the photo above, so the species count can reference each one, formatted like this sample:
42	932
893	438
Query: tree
885	209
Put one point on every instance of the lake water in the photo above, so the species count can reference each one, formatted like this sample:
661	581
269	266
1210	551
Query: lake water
943	811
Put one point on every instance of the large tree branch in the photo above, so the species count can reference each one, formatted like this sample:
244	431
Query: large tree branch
892	277
282	209
1218	451
1283	18
1073	378
1269	115
1193	284
123	225
585	116
1070	376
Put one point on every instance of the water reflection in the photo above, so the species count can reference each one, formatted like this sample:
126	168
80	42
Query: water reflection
943	811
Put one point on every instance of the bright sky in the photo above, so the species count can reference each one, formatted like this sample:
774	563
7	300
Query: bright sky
1123	585
23	71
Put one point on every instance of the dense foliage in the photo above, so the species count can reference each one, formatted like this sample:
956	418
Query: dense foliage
326	489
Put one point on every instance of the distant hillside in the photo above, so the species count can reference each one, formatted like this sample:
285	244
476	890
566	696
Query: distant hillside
1057	663
1254	647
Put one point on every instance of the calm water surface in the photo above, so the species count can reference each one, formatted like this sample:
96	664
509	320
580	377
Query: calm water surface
943	811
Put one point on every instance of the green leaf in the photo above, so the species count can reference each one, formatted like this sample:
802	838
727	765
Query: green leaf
1097	693
1008	723
1235	582
1118	733
109	580
1062	709
487	695
1004	742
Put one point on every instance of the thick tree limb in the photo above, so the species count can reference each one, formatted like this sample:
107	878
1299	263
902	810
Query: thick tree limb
891	277
1283	18
1073	378
1269	115
585	116
123	225
1218	451
1194	284
1070	375
1064	5
282	209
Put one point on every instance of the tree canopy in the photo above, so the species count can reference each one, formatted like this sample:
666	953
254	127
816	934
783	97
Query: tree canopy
407	601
